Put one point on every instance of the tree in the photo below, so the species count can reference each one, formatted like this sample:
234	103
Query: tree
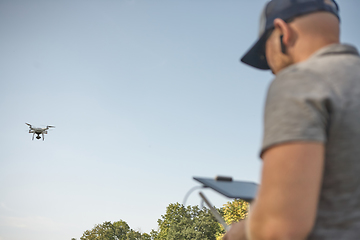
233	212
181	222
154	234
107	231
145	236
121	229
178	223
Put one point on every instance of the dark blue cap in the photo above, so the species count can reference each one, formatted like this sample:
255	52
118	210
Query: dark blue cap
286	10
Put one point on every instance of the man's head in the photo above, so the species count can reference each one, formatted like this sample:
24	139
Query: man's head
291	30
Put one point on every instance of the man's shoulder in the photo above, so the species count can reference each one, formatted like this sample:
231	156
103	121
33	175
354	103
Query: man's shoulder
298	72
298	80
324	68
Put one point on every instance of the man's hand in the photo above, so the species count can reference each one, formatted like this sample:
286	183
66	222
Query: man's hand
236	232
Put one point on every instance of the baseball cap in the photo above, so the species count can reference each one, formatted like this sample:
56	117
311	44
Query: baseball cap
286	10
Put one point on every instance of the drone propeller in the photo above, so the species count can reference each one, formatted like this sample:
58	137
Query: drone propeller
28	124
50	126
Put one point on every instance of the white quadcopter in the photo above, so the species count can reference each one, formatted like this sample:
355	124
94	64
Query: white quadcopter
38	131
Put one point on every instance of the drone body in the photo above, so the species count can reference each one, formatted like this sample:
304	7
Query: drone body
38	131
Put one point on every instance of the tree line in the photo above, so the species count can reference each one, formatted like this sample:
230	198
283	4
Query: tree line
178	223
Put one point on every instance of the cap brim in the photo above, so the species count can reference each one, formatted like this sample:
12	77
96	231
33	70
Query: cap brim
256	57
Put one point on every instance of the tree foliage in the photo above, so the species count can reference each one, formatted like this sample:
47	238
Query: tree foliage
235	211
180	222
119	230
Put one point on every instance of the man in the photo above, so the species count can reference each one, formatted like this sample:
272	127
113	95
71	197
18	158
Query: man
310	187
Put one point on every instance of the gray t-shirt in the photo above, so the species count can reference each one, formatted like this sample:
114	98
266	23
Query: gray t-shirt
319	100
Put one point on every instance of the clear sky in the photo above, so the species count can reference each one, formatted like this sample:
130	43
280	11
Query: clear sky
144	96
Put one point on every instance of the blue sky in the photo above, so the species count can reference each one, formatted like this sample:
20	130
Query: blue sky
144	96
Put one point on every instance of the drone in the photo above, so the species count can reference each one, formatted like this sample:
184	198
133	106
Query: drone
38	131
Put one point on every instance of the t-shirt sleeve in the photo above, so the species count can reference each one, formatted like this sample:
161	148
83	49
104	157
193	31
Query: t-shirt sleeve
296	109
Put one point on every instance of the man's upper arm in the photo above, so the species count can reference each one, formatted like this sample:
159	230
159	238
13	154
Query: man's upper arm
288	195
296	109
295	131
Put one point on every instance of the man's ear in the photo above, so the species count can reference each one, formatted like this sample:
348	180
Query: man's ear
284	30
